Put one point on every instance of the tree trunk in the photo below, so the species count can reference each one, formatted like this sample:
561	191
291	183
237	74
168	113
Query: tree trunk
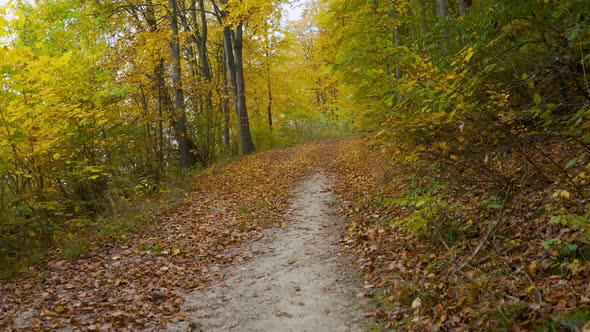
421	17
205	66
163	105
397	40
269	89
226	62
412	25
463	5
230	64
164	101
443	14
232	43
203	43
178	116
244	125
225	108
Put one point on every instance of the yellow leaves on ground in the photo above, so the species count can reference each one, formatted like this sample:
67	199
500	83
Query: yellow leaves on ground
561	194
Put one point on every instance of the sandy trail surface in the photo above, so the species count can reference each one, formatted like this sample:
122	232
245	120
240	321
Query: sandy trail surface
297	281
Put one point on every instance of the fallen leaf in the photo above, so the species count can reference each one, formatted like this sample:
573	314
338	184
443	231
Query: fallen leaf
417	303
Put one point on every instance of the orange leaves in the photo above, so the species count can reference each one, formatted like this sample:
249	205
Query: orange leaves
135	284
421	288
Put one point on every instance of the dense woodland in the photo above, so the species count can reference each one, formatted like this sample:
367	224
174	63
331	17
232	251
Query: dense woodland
475	116
102	101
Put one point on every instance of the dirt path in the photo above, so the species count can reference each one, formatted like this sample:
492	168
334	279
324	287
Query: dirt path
297	280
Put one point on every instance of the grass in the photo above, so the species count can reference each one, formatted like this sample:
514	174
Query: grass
245	209
75	248
573	321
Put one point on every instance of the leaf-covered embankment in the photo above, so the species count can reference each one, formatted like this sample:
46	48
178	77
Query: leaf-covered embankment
437	252
453	253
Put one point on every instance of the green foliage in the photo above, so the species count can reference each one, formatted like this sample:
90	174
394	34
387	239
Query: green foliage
75	248
492	102
244	209
499	69
572	321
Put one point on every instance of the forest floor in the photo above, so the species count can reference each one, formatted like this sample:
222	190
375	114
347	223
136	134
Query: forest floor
297	280
274	240
256	245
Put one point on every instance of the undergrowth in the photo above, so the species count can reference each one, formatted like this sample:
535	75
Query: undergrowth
128	206
447	250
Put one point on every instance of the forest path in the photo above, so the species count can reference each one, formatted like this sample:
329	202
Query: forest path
216	261
297	280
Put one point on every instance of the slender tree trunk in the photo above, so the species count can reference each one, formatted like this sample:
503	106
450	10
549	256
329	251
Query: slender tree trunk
269	89
421	16
463	5
230	64
233	43
267	54
397	40
225	106
228	60
179	116
202	39
203	45
244	125
163	97
443	14
412	25
162	105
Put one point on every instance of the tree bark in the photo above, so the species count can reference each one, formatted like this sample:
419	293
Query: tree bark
397	40
463	6
179	116
201	37
244	125
421	17
443	14
233	44
412	25
225	108
269	89
163	105
230	64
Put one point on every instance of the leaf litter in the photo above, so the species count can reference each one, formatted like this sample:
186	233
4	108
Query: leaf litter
135	284
510	269
298	279
416	282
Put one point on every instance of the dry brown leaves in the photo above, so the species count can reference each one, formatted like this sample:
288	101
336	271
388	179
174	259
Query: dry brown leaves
414	280
136	285
421	285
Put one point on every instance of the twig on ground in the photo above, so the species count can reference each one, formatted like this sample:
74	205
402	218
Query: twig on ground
453	261
493	228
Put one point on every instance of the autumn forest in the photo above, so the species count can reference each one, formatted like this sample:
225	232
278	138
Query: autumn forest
437	150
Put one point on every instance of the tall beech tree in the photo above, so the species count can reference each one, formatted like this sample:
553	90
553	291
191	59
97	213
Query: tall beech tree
233	43
179	115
